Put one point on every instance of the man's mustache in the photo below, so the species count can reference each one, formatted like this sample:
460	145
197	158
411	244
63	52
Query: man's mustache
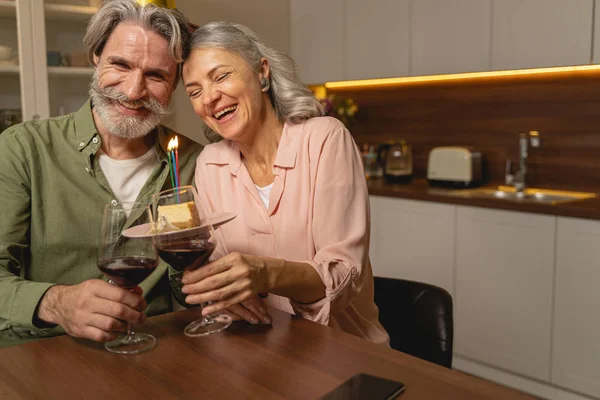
150	104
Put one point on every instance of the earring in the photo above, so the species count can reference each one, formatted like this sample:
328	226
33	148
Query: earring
265	85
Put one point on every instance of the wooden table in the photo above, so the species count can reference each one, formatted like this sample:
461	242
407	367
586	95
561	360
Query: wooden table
293	359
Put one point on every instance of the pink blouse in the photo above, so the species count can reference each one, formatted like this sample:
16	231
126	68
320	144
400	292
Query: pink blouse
318	214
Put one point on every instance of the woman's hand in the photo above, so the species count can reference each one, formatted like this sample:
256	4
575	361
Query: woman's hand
230	280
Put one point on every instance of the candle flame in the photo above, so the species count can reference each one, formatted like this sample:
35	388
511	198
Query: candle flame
173	144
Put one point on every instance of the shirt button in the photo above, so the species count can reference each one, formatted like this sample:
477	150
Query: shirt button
95	140
114	202
81	144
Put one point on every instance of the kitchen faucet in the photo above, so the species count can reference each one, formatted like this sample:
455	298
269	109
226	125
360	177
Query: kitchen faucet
518	179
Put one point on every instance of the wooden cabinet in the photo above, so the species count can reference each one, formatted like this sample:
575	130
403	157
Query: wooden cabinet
504	278
576	344
413	240
541	33
450	36
317	39
377	39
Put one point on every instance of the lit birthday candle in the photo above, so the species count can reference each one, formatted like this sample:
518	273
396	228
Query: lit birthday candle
176	147
171	165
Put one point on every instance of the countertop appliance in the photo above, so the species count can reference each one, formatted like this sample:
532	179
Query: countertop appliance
397	161
453	166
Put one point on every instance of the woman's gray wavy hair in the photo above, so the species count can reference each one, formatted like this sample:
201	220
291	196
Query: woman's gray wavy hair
291	99
169	23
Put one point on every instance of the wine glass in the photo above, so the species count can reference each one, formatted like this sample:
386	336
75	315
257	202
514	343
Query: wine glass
126	262
184	237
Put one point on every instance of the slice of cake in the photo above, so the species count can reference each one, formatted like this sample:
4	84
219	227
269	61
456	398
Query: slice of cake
183	215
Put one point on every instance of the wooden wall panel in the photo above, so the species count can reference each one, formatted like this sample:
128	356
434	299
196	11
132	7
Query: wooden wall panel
488	114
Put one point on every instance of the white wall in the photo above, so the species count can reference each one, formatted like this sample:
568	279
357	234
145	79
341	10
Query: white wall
268	18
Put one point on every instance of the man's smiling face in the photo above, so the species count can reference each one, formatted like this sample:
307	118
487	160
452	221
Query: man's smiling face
133	82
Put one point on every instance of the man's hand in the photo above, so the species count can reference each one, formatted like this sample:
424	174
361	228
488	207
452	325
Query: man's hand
252	310
93	309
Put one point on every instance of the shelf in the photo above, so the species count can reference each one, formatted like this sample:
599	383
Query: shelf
65	12
9	70
71	71
8	8
55	12
53	71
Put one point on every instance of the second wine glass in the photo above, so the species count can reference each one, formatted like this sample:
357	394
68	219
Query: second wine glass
184	238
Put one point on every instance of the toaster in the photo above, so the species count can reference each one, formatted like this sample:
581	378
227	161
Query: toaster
456	167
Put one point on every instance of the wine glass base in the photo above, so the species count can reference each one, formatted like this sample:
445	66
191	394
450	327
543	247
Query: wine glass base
134	344
206	326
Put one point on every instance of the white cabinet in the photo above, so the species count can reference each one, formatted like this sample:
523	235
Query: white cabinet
317	39
450	36
17	86
576	345
525	288
504	278
377	38
541	33
67	85
355	39
38	90
413	240
596	39
349	39
375	210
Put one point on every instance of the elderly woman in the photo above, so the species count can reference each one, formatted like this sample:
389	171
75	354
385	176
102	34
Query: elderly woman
296	182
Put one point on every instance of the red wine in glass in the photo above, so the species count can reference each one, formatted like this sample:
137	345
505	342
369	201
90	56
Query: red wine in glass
181	255
128	272
126	261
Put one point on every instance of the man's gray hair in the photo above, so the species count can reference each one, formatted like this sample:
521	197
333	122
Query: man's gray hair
168	23
291	99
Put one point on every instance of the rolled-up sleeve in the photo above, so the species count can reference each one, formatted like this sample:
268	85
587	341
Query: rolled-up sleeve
340	225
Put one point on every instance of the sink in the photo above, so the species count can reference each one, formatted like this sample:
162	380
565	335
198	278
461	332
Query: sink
530	195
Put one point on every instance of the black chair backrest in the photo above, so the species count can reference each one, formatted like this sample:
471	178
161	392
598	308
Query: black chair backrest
418	318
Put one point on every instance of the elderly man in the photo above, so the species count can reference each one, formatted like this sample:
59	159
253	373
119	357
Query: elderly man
58	174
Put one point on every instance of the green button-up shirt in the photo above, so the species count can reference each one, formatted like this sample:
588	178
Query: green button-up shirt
52	196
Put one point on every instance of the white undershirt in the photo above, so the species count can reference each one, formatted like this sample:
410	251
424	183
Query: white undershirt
265	193
127	177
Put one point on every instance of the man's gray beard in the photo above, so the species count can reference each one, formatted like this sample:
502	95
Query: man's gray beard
124	126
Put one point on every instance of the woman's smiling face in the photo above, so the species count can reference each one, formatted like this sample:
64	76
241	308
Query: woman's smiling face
225	92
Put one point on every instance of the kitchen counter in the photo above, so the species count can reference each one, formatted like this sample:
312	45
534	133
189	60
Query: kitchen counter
419	190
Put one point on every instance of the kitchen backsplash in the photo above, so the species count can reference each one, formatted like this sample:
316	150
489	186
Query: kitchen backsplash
488	114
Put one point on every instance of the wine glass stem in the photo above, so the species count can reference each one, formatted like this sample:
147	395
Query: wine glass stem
130	331
207	319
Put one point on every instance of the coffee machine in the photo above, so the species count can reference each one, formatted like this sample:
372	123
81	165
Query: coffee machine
396	160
